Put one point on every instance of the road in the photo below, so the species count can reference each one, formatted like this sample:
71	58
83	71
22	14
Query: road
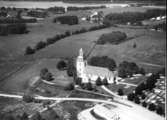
58	99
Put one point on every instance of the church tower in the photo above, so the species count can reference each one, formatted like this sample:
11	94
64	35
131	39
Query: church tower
80	64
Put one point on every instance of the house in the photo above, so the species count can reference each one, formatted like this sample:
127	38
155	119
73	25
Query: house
97	17
90	73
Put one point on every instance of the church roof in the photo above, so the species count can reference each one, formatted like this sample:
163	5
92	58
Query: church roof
99	71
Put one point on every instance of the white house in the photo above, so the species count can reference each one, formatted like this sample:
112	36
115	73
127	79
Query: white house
91	73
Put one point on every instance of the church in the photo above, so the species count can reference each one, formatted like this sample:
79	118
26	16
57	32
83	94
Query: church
90	73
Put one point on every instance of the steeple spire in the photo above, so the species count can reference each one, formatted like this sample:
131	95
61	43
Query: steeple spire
81	52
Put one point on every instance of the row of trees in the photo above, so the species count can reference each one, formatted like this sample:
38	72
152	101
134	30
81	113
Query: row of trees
103	61
148	85
152	107
17	28
42	44
70	20
14	20
115	37
72	8
127	69
132	17
139	94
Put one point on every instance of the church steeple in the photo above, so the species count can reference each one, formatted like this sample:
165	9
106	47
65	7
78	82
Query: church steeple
81	52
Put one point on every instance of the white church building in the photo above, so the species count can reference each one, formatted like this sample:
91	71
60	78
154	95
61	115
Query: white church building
90	73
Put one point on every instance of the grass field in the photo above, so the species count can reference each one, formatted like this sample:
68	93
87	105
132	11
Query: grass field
149	52
126	89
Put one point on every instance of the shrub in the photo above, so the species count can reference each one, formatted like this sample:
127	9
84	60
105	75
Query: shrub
70	86
29	50
131	96
152	107
137	100
144	104
28	98
40	45
61	65
159	110
120	92
46	75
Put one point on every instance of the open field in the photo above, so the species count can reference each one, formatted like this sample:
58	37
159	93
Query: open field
20	81
149	52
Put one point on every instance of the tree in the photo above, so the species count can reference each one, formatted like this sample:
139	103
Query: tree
160	110
140	88
152	107
29	50
144	104
137	100
120	92
131	96
105	81
89	86
143	96
71	71
103	61
46	75
40	45
98	81
61	65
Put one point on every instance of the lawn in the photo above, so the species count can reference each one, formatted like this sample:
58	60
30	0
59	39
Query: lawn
136	81
126	89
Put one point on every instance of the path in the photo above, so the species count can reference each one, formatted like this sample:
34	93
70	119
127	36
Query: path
129	84
58	99
110	92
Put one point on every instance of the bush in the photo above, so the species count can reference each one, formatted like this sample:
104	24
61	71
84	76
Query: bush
137	100
120	92
70	86
160	110
40	45
152	107
61	65
144	104
46	75
131	96
29	50
115	37
28	98
70	20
